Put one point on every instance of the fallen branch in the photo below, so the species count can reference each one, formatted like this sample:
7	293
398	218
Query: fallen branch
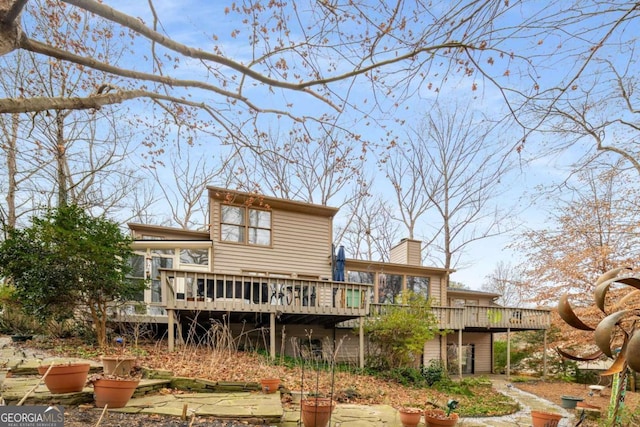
104	411
35	386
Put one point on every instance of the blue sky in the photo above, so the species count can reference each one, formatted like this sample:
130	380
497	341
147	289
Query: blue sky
196	22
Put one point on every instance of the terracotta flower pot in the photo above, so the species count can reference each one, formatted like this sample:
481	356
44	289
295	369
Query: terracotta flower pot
437	417
66	378
410	417
270	385
316	411
118	365
545	419
114	393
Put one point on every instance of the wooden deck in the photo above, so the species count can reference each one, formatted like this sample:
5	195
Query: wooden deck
477	318
192	290
314	301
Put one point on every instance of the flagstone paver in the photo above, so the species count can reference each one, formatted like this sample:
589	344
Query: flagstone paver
240	405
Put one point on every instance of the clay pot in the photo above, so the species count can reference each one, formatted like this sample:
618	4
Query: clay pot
66	378
270	385
114	393
410	417
316	411
545	419
437	417
118	365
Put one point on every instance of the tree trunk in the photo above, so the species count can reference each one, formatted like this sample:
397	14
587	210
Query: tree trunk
10	30
12	171
61	159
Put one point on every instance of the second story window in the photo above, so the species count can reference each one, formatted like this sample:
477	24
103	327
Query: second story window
245	225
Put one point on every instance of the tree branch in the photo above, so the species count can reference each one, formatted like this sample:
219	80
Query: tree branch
36	104
13	11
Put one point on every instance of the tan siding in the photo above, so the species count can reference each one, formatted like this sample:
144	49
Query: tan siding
398	256
407	252
482	344
435	289
301	244
484	302
431	351
349	348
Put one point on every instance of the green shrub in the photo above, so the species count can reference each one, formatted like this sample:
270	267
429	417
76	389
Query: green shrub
401	330
500	356
434	373
407	376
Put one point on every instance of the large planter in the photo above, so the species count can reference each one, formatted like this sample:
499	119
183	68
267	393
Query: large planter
569	402
65	378
316	411
21	338
437	417
270	385
114	393
118	365
545	419
410	417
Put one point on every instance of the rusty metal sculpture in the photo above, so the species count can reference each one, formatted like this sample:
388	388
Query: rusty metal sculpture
620	325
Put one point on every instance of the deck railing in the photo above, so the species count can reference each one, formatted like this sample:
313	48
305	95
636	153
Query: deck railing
448	317
506	317
195	290
484	317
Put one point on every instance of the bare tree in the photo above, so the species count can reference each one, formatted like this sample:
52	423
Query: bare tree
599	115
316	170
324	50
405	167
81	157
184	186
467	163
506	280
370	230
591	230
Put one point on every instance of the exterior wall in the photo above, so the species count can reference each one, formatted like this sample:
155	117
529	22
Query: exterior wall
407	252
300	246
436	285
482	343
431	351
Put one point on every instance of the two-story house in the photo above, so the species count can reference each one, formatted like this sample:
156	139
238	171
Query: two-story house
268	264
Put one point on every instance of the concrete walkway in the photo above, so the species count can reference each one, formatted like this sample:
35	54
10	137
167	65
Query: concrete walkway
253	407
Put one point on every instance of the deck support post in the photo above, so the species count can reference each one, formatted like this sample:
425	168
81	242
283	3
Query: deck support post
272	335
460	353
544	356
171	333
508	352
361	341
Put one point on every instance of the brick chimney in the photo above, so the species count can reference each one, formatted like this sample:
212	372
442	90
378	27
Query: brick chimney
408	251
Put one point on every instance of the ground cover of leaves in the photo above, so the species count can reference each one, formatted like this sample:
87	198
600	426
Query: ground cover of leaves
203	362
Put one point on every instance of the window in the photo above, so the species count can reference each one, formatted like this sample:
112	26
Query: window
389	287
137	273
419	285
194	256
245	225
360	277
